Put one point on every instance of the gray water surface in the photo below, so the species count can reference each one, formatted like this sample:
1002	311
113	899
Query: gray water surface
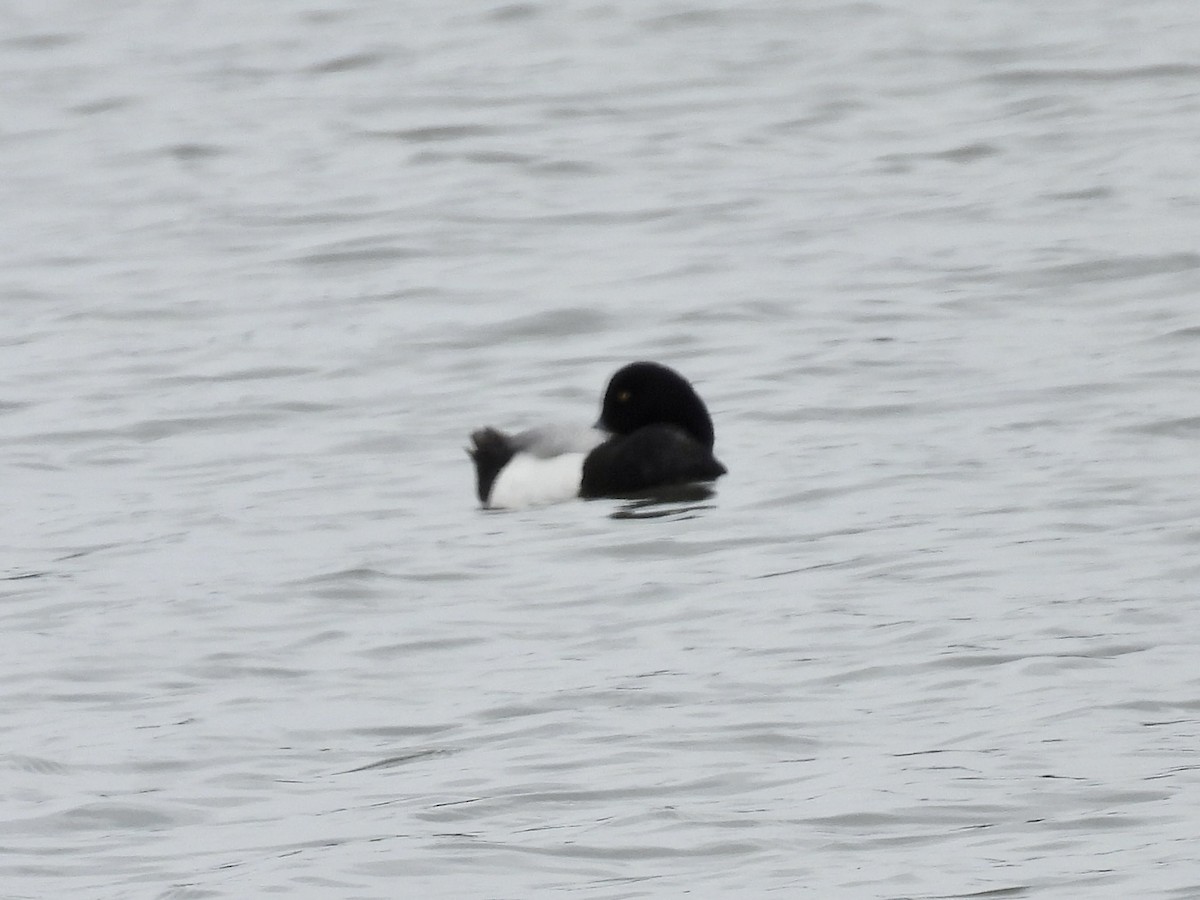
933	267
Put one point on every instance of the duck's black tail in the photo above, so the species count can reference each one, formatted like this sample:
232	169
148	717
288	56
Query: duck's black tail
491	452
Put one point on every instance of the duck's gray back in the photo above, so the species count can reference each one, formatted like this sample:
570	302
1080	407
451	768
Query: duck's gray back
546	441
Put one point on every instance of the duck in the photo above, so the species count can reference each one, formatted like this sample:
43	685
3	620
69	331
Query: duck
654	431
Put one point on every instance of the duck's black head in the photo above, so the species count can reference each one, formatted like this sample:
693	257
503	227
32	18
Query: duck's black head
647	393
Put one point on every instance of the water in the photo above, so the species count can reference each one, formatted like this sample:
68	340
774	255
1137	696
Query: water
934	270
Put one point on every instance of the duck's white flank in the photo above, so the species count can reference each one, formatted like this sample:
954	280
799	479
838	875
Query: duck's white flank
528	480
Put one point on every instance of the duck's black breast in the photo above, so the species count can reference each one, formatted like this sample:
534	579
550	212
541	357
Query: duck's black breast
651	457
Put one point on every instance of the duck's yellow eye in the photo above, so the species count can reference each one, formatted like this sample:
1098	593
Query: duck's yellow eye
623	396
